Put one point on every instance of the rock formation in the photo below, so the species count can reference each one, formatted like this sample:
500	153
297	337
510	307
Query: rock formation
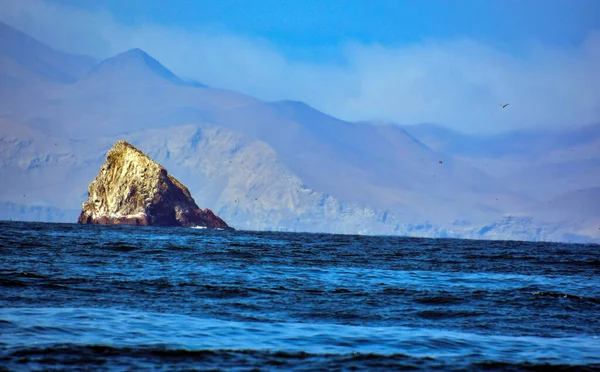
132	189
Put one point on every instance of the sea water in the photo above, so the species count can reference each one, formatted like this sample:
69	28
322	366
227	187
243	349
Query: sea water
83	297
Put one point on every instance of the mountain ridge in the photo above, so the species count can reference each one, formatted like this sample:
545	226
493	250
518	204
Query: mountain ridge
46	63
133	61
281	165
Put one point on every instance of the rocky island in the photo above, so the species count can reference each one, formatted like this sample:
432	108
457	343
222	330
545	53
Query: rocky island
132	189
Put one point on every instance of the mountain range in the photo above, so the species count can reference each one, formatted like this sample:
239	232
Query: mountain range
280	165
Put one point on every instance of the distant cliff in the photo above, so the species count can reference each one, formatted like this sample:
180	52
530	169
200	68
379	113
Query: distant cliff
132	189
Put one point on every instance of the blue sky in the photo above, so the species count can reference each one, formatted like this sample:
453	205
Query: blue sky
314	25
449	62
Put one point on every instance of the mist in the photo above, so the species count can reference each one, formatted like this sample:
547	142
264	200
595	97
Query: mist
460	83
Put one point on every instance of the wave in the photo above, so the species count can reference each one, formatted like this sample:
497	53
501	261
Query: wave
64	356
593	300
45	327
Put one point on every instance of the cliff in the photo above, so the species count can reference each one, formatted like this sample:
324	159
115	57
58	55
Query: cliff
133	189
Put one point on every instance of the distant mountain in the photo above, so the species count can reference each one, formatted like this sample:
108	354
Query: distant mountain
31	71
132	66
440	138
128	92
22	212
539	163
25	60
382	166
531	142
549	179
266	165
577	204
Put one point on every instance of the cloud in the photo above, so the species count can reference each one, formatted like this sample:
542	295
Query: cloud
460	83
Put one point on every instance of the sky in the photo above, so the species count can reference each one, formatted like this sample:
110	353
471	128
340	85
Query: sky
435	61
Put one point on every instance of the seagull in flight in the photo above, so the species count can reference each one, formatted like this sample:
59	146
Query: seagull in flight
504	105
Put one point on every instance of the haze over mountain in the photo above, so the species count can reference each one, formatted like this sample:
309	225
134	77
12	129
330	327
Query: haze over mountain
278	165
540	164
25	60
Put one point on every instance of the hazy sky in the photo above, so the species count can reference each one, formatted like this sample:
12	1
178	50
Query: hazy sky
443	61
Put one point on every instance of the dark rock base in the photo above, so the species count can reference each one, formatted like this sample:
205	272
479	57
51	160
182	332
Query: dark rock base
197	217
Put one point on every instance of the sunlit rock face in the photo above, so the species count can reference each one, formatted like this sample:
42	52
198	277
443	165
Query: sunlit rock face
132	189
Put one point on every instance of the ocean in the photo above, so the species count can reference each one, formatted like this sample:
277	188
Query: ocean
85	297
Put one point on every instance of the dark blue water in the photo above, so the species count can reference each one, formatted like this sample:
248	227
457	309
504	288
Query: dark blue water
122	298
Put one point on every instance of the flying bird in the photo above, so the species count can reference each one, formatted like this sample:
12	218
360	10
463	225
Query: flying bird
504	105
